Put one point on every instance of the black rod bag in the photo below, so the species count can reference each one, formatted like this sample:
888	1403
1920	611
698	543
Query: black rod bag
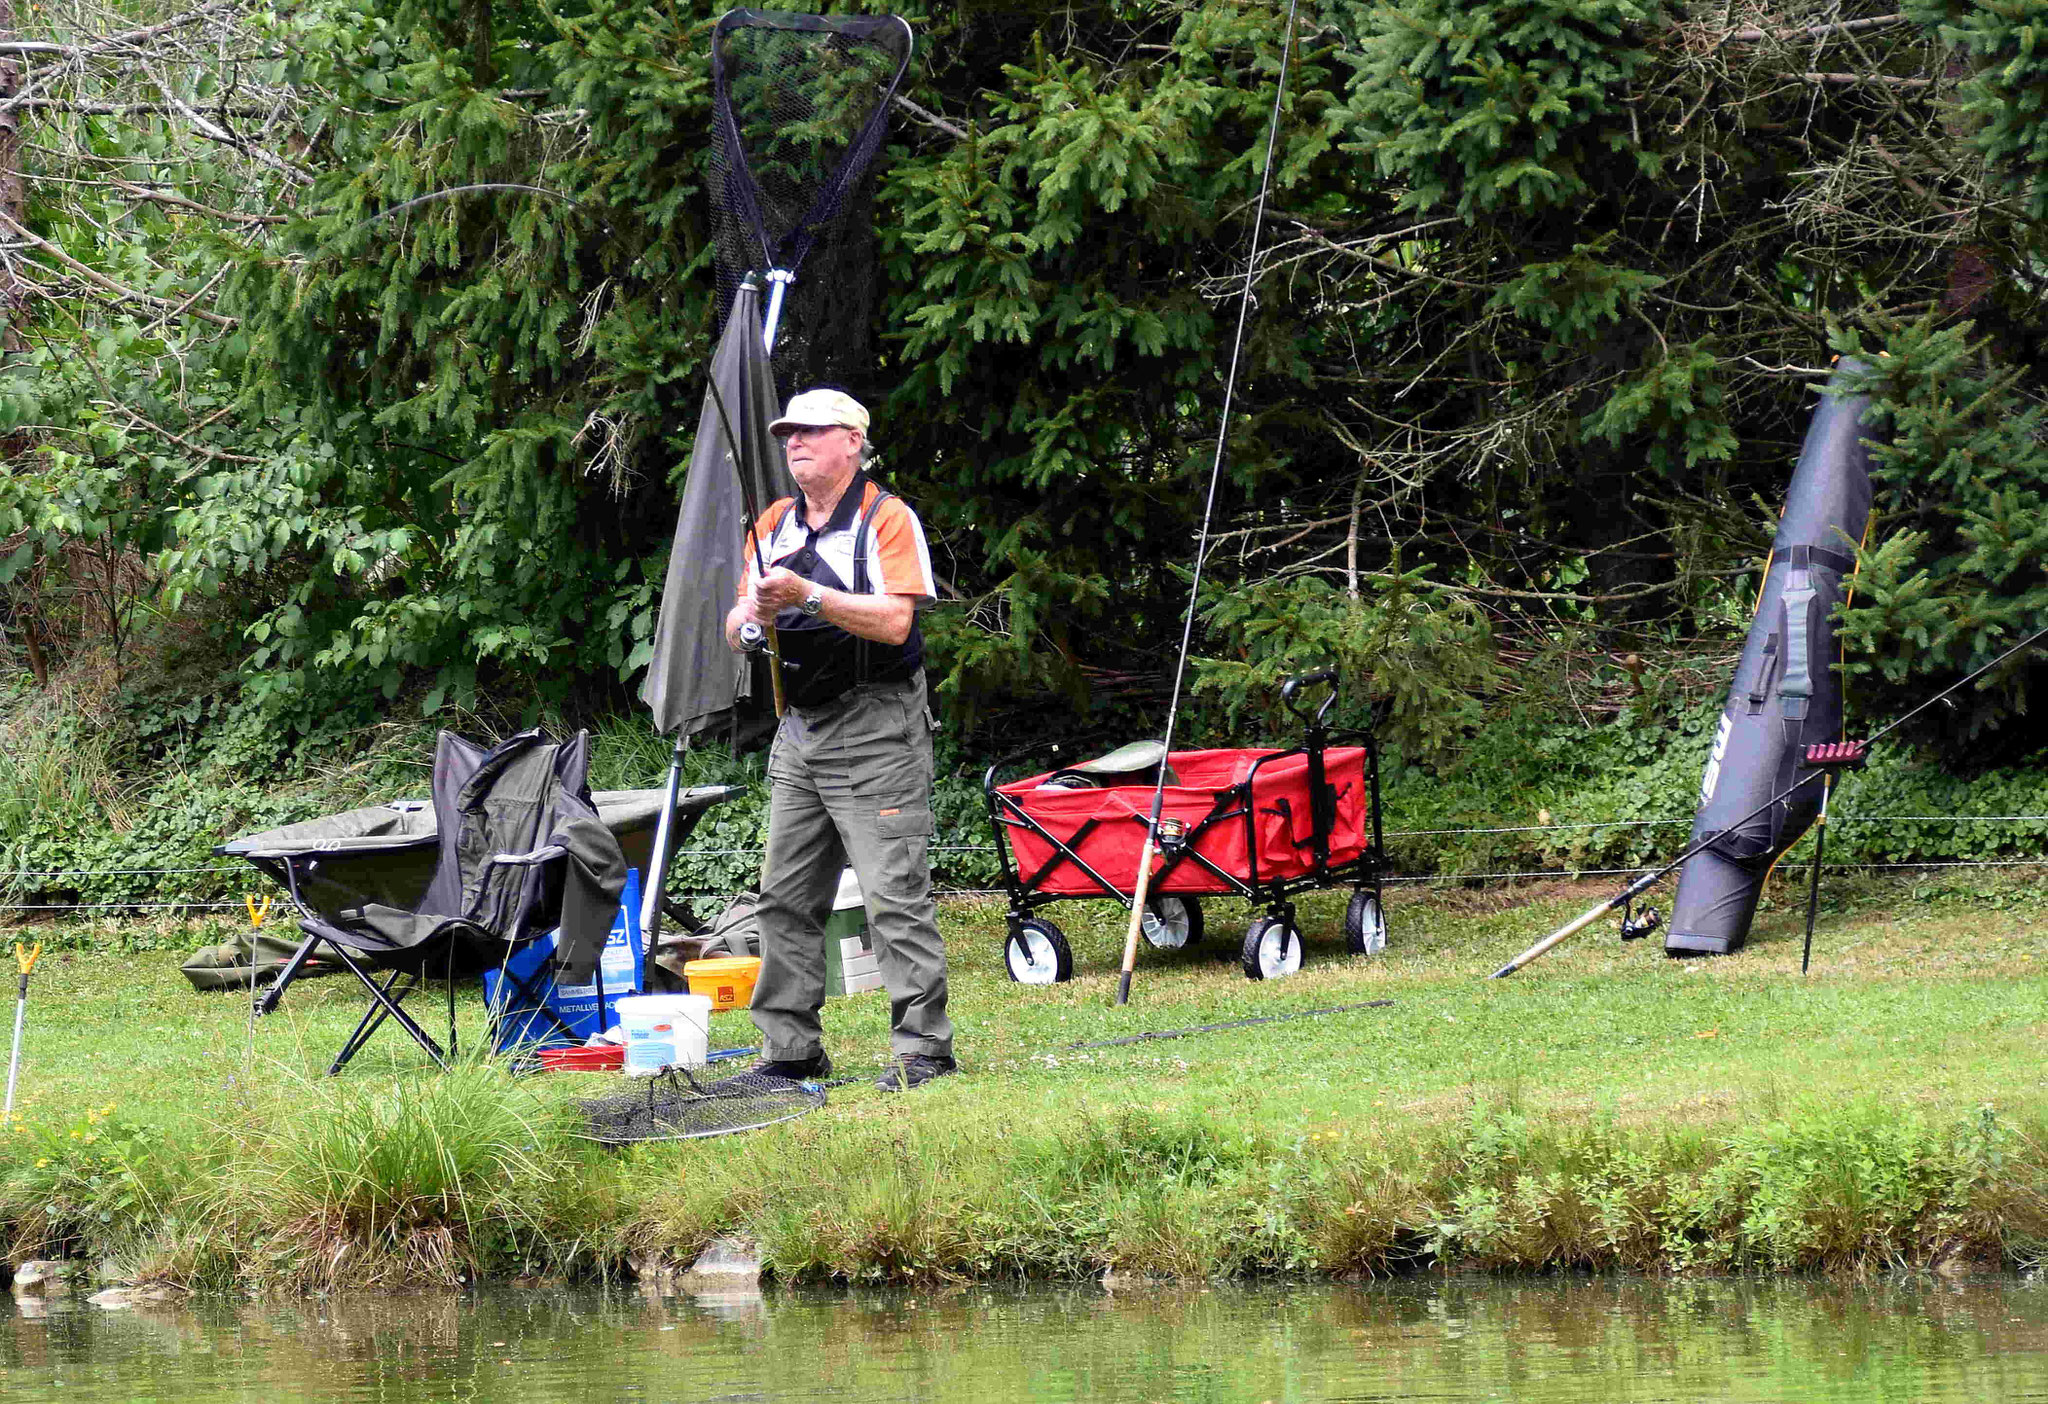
1787	694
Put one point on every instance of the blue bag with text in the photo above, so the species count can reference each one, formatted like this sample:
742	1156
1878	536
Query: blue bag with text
528	1000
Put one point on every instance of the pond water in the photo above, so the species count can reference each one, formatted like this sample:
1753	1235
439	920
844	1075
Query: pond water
1436	1340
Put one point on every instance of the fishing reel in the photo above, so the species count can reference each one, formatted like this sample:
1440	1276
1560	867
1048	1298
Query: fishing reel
1635	926
753	638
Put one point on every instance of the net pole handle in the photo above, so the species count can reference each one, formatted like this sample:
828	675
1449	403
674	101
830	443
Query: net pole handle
779	280
1138	893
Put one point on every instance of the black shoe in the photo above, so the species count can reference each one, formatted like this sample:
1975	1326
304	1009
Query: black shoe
914	1070
809	1069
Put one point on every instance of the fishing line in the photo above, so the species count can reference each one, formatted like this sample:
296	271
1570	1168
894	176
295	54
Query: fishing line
1156	1035
1244	307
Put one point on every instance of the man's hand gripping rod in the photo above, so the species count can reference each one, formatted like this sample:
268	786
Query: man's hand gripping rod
752	635
1651	879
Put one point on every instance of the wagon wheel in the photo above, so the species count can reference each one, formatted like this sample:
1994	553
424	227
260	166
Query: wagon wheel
1172	922
1036	953
1365	924
1272	948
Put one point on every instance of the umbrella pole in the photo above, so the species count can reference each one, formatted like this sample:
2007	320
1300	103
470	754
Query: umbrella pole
664	830
750	631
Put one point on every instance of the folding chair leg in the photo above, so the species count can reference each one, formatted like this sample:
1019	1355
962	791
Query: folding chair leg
450	972
372	1020
384	1005
266	1003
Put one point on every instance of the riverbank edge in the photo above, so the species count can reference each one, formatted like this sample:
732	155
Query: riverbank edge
451	1180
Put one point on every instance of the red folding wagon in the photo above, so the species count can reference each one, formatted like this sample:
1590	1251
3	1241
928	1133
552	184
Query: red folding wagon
1263	825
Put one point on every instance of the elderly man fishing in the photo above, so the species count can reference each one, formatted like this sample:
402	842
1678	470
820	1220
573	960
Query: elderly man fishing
850	773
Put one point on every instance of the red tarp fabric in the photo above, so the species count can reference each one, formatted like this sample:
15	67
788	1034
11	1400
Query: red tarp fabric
1278	843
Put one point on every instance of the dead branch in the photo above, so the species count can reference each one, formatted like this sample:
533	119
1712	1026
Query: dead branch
1879	80
116	42
931	118
102	281
1815	31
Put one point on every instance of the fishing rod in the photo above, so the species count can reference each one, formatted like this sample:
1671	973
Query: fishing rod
1156	828
1819	759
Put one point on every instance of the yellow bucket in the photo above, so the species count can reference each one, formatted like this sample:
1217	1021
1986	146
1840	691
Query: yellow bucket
728	981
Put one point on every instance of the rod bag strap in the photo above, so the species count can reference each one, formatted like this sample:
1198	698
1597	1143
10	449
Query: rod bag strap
1802	557
1760	685
1796	691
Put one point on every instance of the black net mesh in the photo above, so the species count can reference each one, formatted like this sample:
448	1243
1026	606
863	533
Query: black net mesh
680	1104
802	104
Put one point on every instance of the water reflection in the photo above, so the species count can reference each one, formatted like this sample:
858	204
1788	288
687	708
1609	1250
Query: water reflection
1433	1340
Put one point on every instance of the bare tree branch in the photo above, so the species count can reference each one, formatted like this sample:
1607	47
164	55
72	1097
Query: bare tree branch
102	281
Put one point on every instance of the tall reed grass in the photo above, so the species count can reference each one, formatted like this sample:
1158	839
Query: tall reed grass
54	774
322	1184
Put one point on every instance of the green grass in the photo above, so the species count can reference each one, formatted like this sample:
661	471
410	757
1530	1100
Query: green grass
1605	1108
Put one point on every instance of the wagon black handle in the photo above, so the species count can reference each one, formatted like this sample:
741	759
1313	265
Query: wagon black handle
988	778
1294	685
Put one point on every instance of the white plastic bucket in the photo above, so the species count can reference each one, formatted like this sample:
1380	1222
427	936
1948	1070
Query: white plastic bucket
664	1030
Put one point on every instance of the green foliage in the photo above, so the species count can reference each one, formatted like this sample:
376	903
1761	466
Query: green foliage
447	366
95	1178
1572	299
1676	404
1516	105
358	1183
312	1184
2006	98
1622	794
1405	647
1962	482
1518	370
444	1172
1834	1189
1048	254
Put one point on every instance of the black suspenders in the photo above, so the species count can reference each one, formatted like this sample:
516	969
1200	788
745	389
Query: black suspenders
859	585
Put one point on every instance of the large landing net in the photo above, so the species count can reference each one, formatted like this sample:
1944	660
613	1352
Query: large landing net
801	103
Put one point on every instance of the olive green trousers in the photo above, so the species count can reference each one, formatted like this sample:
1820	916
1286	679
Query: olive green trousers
851	783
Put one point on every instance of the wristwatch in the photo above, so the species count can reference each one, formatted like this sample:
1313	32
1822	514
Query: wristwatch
816	602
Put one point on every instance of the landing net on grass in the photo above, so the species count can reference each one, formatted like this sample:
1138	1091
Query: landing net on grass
681	1105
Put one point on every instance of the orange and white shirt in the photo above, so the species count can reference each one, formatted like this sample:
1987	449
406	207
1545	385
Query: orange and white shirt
898	560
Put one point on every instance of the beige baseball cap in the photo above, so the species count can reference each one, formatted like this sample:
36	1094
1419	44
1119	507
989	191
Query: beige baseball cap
821	409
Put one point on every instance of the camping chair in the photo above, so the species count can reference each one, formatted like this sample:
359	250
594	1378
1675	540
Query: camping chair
520	850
